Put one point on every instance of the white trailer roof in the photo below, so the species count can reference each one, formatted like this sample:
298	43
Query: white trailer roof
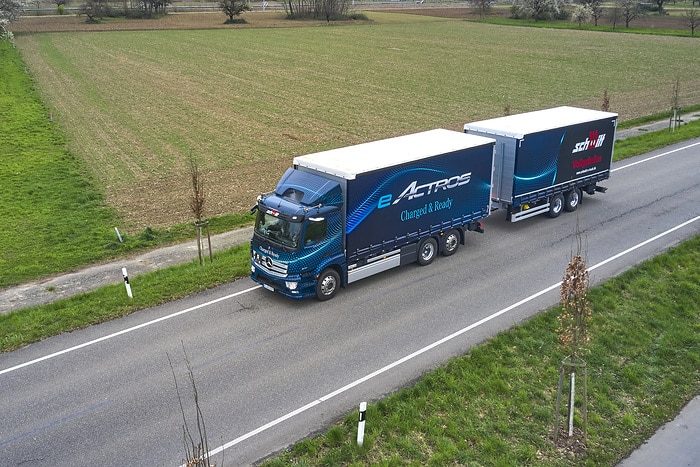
519	125
348	162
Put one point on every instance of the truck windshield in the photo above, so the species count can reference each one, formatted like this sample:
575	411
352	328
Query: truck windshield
278	230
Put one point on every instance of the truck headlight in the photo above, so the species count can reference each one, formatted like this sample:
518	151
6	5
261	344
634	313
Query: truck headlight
291	285
252	268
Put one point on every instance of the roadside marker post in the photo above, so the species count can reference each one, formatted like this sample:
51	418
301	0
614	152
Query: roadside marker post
126	283
361	424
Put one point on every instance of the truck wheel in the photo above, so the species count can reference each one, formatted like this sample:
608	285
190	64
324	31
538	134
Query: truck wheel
426	251
556	205
450	242
327	284
573	198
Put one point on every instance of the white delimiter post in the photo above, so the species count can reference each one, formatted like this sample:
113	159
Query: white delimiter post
361	424
126	283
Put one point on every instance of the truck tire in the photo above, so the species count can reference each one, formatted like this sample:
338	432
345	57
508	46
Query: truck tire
426	251
556	205
327	284
450	242
573	199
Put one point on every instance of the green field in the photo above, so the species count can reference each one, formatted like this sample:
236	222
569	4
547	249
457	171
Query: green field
135	105
53	217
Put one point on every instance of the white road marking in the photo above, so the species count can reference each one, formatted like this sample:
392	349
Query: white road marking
357	382
655	157
124	331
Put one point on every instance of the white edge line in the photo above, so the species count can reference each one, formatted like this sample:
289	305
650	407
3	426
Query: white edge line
124	331
655	157
432	346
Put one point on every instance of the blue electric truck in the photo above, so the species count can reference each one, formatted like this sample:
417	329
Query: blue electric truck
341	215
545	160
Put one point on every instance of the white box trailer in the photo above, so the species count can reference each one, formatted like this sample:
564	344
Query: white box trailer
546	159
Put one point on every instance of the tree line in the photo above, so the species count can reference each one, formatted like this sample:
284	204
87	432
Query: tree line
584	11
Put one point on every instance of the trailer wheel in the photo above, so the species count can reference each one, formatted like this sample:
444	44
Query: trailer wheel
427	251
556	205
573	199
327	284
450	242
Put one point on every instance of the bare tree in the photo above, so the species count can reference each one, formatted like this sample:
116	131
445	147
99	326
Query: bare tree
660	6
597	10
573	332
95	9
482	6
197	206
197	446
328	9
629	10
692	19
606	102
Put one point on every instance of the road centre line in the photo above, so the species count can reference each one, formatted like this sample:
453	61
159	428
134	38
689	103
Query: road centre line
655	157
429	347
149	323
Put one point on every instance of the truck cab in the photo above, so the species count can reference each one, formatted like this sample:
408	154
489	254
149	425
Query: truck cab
298	235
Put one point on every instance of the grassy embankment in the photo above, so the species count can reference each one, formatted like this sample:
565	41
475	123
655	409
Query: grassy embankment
54	218
495	405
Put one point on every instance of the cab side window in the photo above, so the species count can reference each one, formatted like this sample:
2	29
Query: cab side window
315	232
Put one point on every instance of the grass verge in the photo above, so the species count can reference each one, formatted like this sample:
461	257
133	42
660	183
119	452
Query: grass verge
655	140
659	117
50	207
33	324
495	405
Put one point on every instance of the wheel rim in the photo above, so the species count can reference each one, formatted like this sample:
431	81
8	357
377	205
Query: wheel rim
573	200
428	251
328	285
451	242
557	205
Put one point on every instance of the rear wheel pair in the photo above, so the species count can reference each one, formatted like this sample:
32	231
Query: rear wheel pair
564	202
428	248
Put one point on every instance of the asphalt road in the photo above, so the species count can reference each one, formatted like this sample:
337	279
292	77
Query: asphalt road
270	371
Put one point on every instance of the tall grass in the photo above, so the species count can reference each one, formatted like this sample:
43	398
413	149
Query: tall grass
53	216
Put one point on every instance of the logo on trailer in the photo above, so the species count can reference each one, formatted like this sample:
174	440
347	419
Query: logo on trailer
413	190
593	141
